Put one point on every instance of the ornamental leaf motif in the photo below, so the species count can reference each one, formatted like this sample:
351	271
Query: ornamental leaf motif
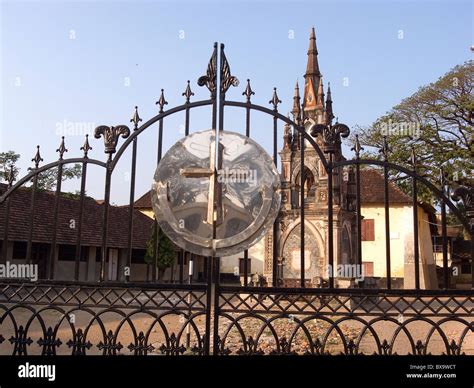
111	136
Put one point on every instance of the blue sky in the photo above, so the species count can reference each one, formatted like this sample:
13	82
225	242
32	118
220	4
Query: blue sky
85	64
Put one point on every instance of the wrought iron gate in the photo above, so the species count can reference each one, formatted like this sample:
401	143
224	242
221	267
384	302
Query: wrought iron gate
56	317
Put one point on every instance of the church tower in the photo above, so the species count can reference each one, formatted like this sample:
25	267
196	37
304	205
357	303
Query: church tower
316	107
313	101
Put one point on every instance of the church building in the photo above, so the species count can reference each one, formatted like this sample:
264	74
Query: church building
315	108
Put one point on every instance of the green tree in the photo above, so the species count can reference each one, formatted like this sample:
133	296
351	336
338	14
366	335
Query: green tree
47	179
166	252
7	159
437	121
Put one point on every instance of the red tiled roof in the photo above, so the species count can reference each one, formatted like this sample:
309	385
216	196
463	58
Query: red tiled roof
144	202
372	189
20	215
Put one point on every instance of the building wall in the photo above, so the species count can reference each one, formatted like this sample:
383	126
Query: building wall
401	245
148	212
256	254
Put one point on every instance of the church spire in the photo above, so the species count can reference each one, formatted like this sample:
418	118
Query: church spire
312	68
320	100
312	107
329	112
296	104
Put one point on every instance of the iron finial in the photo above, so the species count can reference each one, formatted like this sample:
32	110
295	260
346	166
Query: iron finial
10	175
385	149
357	147
465	193
111	136
162	102
442	179
210	79
227	79
248	92
413	158
136	118
86	147
275	100
188	93
62	149
37	159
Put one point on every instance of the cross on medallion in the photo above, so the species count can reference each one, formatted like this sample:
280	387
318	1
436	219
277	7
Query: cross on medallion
215	210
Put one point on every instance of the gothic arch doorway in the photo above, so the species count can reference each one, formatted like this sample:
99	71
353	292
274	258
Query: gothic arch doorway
291	256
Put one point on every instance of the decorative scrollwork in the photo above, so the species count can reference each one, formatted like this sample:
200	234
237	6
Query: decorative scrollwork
111	136
135	119
210	79
62	149
21	341
384	150
385	347
141	348
357	147
331	134
250	349
466	195
173	348
37	158
162	101
188	93
248	92
86	147
321	325
351	348
284	348
227	79
317	348
49	342
275	100
79	344
221	348
10	175
109	346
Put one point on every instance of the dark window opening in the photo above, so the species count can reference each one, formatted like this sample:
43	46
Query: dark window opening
19	250
138	256
66	252
466	268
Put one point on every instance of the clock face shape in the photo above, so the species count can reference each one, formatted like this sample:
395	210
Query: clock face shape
216	197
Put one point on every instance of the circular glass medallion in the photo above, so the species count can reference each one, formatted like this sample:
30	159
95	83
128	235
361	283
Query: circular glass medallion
234	185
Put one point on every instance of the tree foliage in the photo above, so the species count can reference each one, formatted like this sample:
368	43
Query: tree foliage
166	252
47	180
437	122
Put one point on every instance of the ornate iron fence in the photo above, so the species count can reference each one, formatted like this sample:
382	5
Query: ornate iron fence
140	318
73	318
